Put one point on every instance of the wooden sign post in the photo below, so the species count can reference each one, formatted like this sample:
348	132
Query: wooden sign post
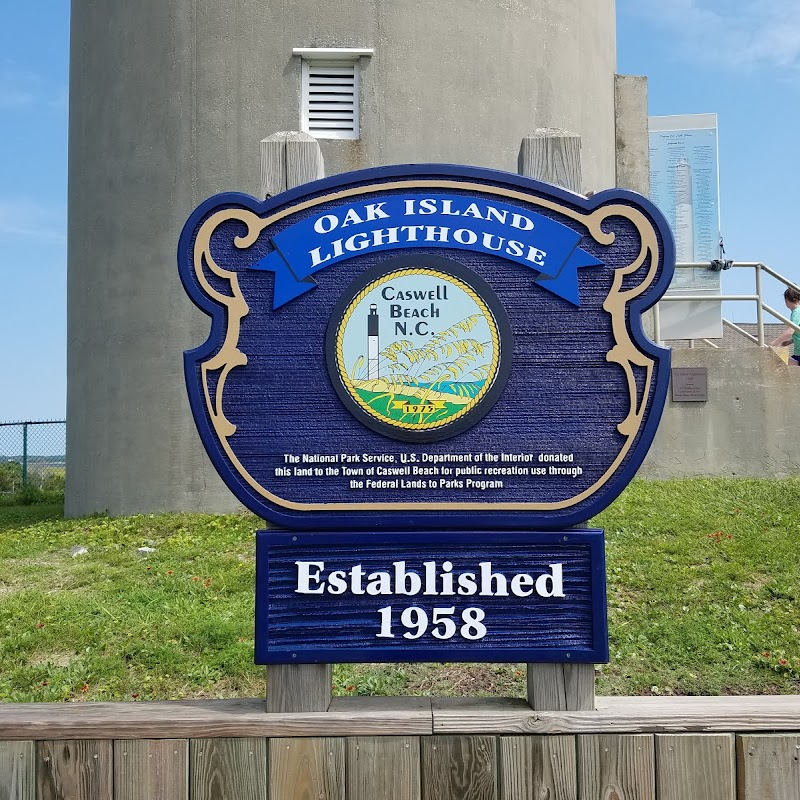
554	156
427	376
290	159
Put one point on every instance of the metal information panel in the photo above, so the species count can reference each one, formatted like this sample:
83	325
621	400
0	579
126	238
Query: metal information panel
426	349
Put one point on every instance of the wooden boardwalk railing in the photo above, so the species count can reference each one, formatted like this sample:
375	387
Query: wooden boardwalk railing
721	748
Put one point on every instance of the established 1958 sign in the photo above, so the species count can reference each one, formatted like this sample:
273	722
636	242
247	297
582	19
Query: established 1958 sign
446	597
422	348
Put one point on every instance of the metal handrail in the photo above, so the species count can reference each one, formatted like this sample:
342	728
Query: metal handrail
761	306
739	330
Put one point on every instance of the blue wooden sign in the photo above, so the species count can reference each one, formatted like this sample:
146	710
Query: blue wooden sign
501	596
431	347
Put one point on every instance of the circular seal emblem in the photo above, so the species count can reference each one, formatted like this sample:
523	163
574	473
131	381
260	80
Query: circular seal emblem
419	348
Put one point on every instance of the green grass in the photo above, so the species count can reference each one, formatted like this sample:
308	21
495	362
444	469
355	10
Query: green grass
704	588
704	598
30	495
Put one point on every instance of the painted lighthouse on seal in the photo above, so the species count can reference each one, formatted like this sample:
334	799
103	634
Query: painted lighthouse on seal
373	344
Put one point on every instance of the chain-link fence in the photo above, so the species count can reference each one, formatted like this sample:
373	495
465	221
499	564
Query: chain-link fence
32	456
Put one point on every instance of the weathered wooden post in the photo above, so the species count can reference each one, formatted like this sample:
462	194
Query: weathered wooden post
289	159
554	155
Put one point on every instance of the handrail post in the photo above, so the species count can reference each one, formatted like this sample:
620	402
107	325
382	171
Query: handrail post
759	307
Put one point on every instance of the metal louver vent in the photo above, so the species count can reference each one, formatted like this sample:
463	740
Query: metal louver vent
330	99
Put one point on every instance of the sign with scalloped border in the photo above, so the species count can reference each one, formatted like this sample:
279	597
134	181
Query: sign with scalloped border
426	347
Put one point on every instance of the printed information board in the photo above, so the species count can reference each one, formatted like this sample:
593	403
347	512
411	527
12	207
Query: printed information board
684	184
437	597
427	347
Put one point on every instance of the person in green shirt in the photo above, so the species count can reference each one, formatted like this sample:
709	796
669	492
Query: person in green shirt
792	299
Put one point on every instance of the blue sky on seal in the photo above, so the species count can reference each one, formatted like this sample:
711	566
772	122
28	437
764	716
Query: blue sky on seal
738	59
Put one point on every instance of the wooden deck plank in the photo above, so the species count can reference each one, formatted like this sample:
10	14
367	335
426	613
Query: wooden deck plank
459	768
721	704
307	769
148	768
78	770
768	767
538	766
395	717
235	768
695	766
388	705
620	715
383	767
17	770
622	767
200	719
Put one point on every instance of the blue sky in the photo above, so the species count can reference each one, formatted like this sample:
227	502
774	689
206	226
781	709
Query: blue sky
738	59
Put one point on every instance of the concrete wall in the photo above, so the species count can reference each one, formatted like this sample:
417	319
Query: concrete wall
633	145
168	101
632	133
748	427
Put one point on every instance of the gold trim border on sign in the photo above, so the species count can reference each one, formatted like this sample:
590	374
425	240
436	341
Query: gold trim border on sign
477	299
625	353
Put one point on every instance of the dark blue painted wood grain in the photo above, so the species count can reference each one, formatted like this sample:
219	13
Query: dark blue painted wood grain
562	395
300	628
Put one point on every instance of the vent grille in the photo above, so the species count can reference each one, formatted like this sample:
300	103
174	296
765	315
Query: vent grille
330	100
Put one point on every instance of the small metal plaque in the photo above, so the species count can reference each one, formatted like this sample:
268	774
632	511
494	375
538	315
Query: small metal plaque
689	384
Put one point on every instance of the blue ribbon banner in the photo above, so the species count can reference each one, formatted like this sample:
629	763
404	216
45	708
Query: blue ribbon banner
547	247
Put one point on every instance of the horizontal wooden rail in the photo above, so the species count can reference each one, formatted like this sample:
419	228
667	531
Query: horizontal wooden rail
620	715
208	718
394	716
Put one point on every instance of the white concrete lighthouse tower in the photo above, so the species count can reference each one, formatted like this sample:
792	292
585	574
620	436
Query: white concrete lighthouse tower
168	102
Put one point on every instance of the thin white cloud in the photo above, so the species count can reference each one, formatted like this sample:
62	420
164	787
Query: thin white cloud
29	219
738	34
12	97
21	89
18	87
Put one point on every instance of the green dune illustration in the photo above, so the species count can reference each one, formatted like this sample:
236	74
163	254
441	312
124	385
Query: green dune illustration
429	383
